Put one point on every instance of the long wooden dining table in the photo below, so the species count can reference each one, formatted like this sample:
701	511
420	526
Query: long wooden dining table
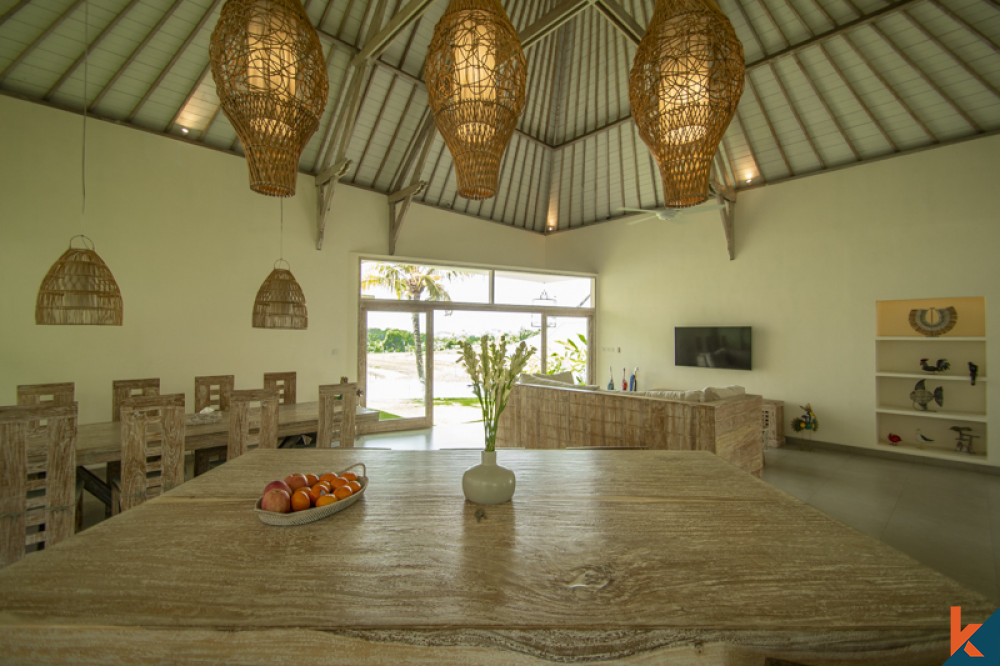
635	557
98	443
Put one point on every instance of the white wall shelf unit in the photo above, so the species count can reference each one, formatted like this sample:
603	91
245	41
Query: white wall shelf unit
901	353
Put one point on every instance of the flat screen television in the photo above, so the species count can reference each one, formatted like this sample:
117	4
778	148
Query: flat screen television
712	346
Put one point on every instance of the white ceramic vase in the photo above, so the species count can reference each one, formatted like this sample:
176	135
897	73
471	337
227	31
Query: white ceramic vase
488	482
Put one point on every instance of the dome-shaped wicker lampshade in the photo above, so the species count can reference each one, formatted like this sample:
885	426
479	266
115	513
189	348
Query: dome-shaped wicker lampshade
270	76
280	302
79	289
685	83
475	72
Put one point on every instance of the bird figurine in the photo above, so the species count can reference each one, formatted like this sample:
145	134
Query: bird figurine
921	397
973	371
921	437
894	439
941	366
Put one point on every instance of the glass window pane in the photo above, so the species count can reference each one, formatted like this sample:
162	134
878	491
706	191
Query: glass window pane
454	401
396	366
420	282
515	288
567	347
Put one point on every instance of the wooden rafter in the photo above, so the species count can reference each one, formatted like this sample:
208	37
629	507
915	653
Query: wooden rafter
173	61
27	50
376	41
135	53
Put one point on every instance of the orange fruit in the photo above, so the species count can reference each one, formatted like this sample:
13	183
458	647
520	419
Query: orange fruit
316	491
338	481
301	500
312	479
354	486
323	500
325	485
350	476
342	492
326	477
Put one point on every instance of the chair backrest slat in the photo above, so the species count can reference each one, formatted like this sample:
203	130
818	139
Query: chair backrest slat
213	391
283	383
330	395
152	447
28	522
244	427
122	389
45	394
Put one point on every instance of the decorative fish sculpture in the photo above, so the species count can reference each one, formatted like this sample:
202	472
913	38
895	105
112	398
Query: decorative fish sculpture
921	397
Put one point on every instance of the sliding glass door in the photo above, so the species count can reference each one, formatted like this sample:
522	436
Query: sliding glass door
414	317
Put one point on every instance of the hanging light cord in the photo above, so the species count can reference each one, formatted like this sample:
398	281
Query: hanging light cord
281	236
83	165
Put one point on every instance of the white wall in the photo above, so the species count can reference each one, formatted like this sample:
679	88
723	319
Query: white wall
812	257
189	244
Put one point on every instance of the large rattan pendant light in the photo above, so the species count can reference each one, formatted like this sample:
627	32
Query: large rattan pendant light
685	83
280	302
79	288
475	72
270	76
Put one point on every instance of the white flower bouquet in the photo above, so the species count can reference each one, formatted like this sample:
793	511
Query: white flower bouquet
493	375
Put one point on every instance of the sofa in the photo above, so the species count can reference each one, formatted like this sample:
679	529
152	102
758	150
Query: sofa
547	414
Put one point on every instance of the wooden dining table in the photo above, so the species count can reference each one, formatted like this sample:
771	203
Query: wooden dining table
635	557
98	443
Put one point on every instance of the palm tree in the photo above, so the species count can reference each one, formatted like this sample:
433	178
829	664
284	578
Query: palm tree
409	282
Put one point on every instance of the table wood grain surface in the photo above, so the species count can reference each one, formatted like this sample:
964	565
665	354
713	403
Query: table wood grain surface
639	557
98	443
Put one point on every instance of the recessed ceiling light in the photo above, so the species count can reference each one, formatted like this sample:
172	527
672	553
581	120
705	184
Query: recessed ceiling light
184	130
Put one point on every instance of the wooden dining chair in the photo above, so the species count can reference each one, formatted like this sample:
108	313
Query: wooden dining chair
37	487
283	383
253	419
332	423
212	391
45	394
152	449
122	389
52	394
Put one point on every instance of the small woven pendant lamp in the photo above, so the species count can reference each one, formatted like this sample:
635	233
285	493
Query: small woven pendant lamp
79	289
685	83
271	79
280	302
476	73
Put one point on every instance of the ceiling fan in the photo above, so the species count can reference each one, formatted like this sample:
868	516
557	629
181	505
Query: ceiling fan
668	214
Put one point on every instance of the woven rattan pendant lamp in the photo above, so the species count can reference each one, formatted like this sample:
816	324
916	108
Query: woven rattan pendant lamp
475	72
685	83
79	288
270	76
280	302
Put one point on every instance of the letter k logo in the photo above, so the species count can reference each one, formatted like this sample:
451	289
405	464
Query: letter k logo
960	636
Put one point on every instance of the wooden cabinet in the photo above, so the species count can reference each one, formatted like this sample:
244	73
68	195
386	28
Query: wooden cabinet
946	415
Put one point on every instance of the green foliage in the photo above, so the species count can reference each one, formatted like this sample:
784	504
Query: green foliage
570	355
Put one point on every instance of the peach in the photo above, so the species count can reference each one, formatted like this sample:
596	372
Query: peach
276	500
296	481
281	485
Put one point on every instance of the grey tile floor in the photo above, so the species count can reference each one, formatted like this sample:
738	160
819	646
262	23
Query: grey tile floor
946	518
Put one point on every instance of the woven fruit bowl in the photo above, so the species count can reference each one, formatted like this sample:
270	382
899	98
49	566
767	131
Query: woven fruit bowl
316	513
